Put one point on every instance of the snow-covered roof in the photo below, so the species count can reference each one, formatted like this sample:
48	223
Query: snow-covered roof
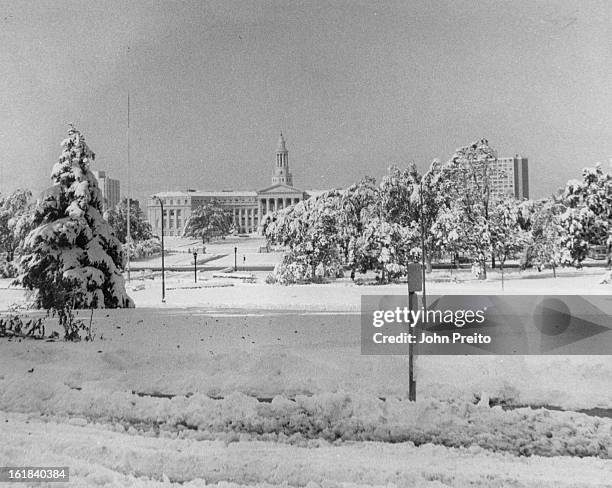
225	193
232	193
213	194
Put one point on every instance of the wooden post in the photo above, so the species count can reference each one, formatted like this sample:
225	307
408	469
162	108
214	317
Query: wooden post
415	283
411	378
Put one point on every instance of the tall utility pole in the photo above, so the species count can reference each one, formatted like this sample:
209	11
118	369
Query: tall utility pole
129	200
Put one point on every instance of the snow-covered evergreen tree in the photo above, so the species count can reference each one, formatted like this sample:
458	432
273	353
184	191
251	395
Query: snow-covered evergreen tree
71	258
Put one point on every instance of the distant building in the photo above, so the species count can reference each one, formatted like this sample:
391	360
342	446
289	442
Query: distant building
510	176
247	206
110	188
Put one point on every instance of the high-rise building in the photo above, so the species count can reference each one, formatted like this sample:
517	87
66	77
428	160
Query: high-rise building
110	189
510	176
247	207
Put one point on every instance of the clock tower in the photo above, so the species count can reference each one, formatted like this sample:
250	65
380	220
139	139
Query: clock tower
281	169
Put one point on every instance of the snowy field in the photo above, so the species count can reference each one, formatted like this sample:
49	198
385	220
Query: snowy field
264	385
343	295
219	253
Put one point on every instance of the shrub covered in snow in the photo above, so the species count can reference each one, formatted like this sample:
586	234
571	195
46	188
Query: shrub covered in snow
14	210
71	258
7	268
15	325
143	249
291	270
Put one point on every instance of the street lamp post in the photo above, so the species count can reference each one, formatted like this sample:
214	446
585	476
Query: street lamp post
195	266
235	259
161	204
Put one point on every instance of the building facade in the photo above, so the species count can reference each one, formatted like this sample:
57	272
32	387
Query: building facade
247	207
110	188
510	176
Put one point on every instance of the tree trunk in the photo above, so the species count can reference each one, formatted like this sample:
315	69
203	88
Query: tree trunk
493	261
428	265
483	267
501	266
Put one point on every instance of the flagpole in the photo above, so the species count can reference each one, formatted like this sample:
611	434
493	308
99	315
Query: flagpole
129	200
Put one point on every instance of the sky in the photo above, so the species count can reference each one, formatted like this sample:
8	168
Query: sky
355	87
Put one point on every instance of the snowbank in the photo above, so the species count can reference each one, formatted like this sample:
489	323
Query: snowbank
100	458
339	416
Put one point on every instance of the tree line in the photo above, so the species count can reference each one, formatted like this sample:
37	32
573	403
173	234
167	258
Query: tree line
450	210
68	254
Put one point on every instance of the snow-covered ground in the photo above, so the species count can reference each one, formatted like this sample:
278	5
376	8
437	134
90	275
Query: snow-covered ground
218	253
343	295
260	385
98	456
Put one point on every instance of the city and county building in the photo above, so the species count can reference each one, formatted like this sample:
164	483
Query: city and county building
110	189
510	176
247	207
